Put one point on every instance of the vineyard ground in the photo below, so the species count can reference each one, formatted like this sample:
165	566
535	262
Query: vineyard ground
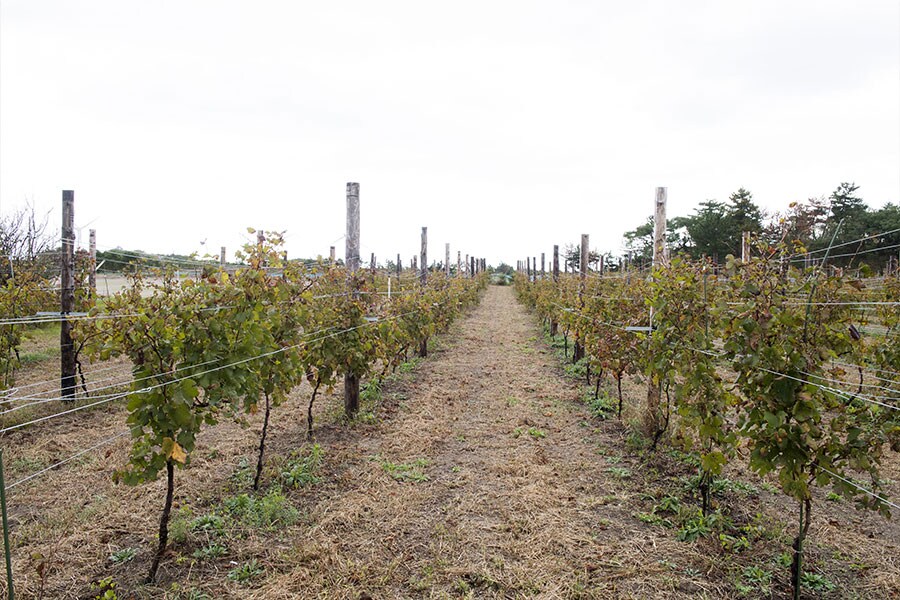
480	474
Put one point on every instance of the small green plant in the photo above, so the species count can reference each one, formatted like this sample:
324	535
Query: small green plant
122	556
734	544
816	582
243	474
209	524
619	472
536	433
406	472
511	401
180	526
653	519
699	525
768	487
246	572
832	497
303	471
668	504
410	365
272	511
371	391
106	588
754	580
210	551
603	406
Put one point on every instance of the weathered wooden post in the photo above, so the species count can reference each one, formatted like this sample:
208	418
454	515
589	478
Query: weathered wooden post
447	260
554	325
423	280
67	296
331	255
543	265
92	274
423	258
745	247
372	268
578	351
660	258
458	264
222	257
399	268
351	257
260	242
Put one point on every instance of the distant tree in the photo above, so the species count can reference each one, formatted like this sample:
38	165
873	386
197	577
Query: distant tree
572	256
639	241
847	215
802	221
26	244
845	204
707	227
504	268
743	215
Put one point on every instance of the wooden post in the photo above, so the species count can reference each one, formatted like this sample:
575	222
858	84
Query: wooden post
660	258
372	268
600	270
543	265
92	275
260	241
222	261
472	267
67	296
554	326
351	257
447	259
423	279
415	265
745	247
331	255
578	350
660	252
458	264
423	258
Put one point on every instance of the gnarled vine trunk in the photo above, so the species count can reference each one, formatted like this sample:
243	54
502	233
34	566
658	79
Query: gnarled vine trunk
164	521
262	443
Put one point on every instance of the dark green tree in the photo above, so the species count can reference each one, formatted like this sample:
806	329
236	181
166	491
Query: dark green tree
743	215
706	227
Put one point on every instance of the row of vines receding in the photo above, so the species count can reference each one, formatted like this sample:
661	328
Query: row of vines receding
796	368
227	344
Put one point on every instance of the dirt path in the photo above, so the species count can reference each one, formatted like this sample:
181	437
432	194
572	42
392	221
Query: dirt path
517	502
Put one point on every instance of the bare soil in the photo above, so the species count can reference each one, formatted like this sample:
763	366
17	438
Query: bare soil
480	474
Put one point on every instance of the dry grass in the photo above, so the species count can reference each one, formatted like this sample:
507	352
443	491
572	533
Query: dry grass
481	475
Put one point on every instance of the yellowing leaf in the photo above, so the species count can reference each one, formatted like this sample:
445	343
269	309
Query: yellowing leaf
173	450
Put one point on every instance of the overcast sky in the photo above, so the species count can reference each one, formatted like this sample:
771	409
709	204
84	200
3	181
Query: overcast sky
505	127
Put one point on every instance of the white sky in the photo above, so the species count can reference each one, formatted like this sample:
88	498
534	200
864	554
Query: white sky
505	127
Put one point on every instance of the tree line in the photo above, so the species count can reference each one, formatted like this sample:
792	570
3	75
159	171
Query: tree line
842	220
